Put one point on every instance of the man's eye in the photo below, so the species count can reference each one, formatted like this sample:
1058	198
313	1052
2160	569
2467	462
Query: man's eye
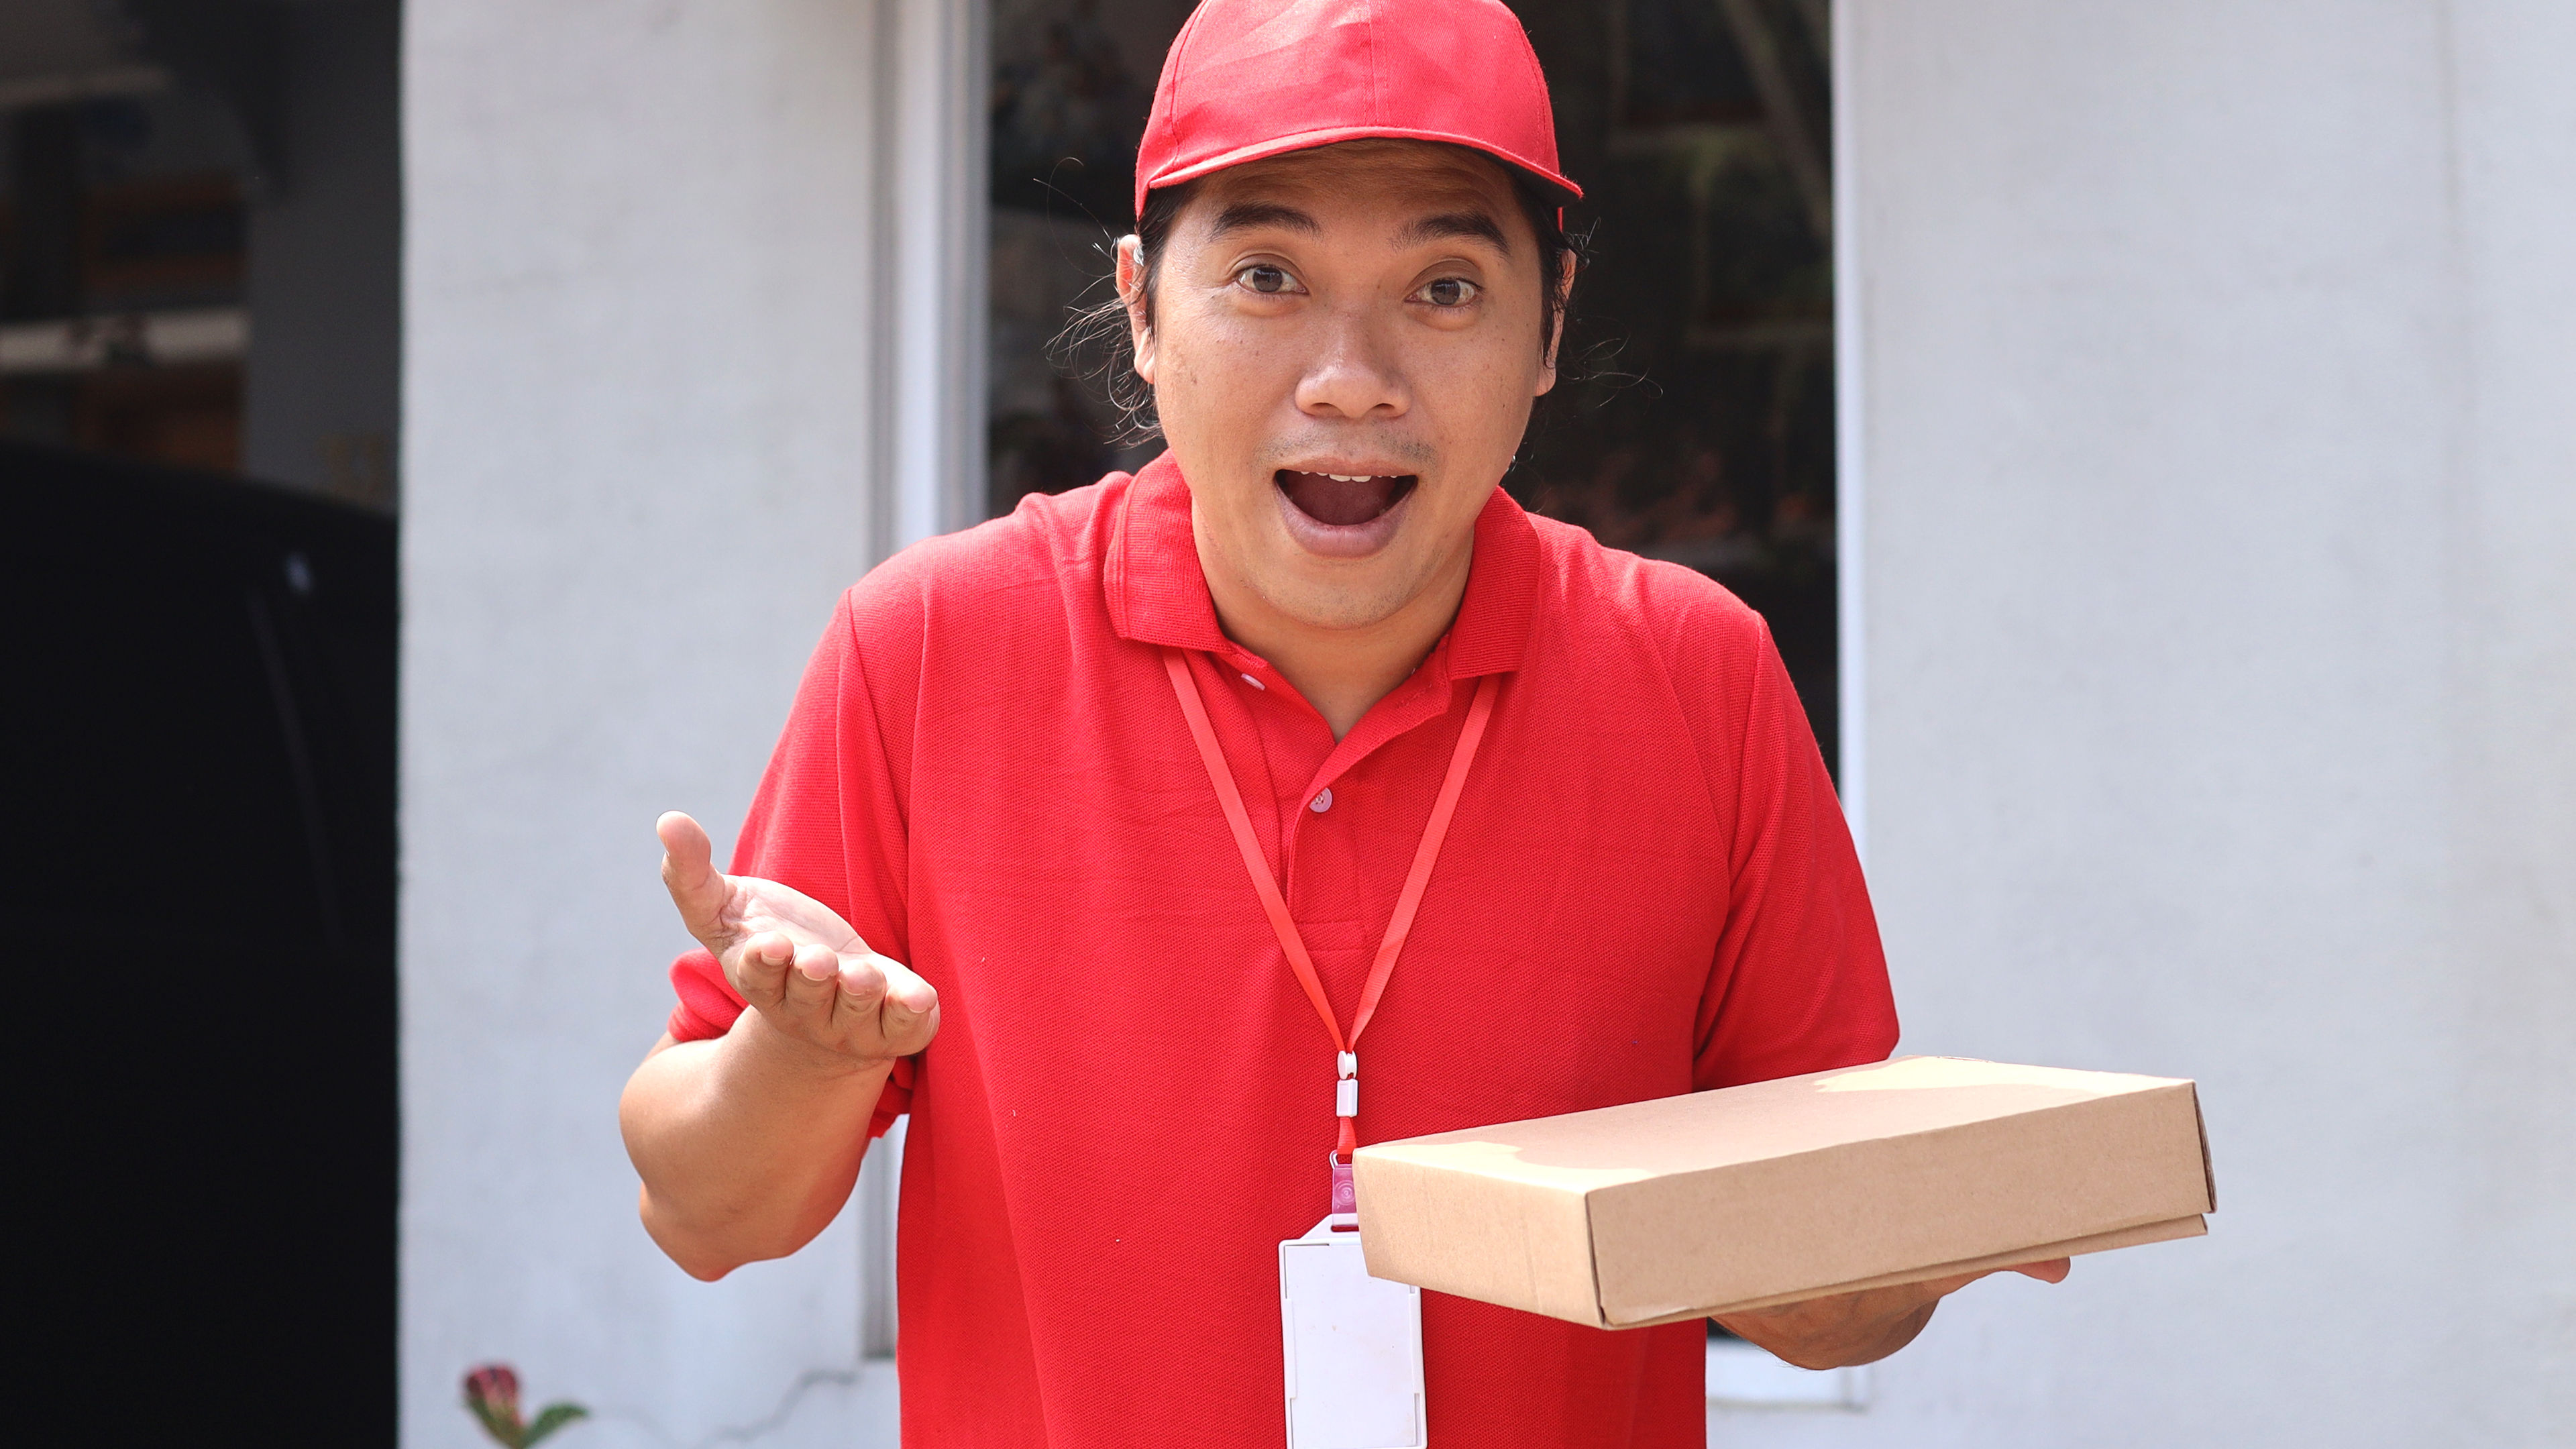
1264	279
1450	292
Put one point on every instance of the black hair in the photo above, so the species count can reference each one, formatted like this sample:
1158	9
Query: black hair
1096	344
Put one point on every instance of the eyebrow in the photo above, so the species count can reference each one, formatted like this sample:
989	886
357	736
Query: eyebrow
1252	215
1456	224
1249	215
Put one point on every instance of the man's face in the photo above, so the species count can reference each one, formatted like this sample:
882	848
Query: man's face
1344	350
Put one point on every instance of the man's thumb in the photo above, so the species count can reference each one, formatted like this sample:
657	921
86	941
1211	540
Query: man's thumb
688	869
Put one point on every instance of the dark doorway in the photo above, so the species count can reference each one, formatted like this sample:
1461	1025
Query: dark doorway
201	677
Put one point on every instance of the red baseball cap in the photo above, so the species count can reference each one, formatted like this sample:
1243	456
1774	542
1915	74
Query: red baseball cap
1253	78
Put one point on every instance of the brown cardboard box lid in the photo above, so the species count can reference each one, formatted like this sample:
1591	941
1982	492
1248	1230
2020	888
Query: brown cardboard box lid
1748	1196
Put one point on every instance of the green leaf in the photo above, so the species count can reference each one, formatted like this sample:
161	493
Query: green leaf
504	1428
549	1419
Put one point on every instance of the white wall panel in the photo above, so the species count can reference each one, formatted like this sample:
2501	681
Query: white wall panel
645	436
2218	460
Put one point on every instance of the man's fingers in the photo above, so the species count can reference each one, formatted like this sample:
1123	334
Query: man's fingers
688	870
2053	1270
809	981
761	969
911	1011
882	998
816	962
858	1003
904	990
862	985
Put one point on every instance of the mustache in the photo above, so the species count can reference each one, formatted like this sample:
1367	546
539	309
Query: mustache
1280	452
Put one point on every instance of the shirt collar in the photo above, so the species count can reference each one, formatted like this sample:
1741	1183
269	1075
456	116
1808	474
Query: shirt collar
1157	593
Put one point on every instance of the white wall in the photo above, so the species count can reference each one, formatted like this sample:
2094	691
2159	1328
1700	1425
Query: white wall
2217	491
640	432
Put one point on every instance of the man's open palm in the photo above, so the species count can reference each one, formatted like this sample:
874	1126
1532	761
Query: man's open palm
796	961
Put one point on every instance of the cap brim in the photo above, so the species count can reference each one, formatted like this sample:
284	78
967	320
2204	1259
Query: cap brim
1565	191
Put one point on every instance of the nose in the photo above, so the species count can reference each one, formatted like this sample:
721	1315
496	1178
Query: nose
1352	376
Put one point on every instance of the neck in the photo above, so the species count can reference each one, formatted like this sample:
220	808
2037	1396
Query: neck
1341	672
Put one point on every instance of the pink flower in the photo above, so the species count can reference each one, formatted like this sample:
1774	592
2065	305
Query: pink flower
492	1393
494	1386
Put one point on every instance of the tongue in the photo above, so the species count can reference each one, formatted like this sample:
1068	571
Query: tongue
1330	500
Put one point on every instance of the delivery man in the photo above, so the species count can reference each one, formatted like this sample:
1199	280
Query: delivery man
1296	792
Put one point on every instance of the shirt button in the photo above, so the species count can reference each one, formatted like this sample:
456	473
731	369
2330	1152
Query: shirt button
1323	801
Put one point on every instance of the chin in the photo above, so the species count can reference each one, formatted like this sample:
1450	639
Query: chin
1337	594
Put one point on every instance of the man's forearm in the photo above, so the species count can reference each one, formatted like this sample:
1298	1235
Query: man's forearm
747	1144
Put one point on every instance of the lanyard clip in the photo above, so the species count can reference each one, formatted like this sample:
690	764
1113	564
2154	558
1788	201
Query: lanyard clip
1346	1091
1345	1207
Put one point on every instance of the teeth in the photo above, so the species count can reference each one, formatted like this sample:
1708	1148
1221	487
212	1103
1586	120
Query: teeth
1350	477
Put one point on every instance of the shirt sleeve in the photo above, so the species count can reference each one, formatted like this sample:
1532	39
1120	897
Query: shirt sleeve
1799	983
827	821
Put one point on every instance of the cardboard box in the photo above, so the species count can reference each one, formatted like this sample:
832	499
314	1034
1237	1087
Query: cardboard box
1752	1196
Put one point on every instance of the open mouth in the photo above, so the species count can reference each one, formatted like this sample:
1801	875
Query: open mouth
1343	500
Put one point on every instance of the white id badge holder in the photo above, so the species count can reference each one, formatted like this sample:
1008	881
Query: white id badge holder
1354	1346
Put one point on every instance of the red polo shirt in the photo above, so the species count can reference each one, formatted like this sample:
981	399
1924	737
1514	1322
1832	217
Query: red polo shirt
1647	889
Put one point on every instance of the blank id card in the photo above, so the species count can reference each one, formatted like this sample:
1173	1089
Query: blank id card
1354	1348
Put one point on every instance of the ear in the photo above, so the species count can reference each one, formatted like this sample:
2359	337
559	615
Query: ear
1555	322
1140	310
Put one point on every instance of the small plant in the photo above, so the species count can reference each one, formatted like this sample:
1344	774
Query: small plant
492	1393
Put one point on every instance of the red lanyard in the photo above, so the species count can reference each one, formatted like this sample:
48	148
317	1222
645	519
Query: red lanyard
1346	1089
